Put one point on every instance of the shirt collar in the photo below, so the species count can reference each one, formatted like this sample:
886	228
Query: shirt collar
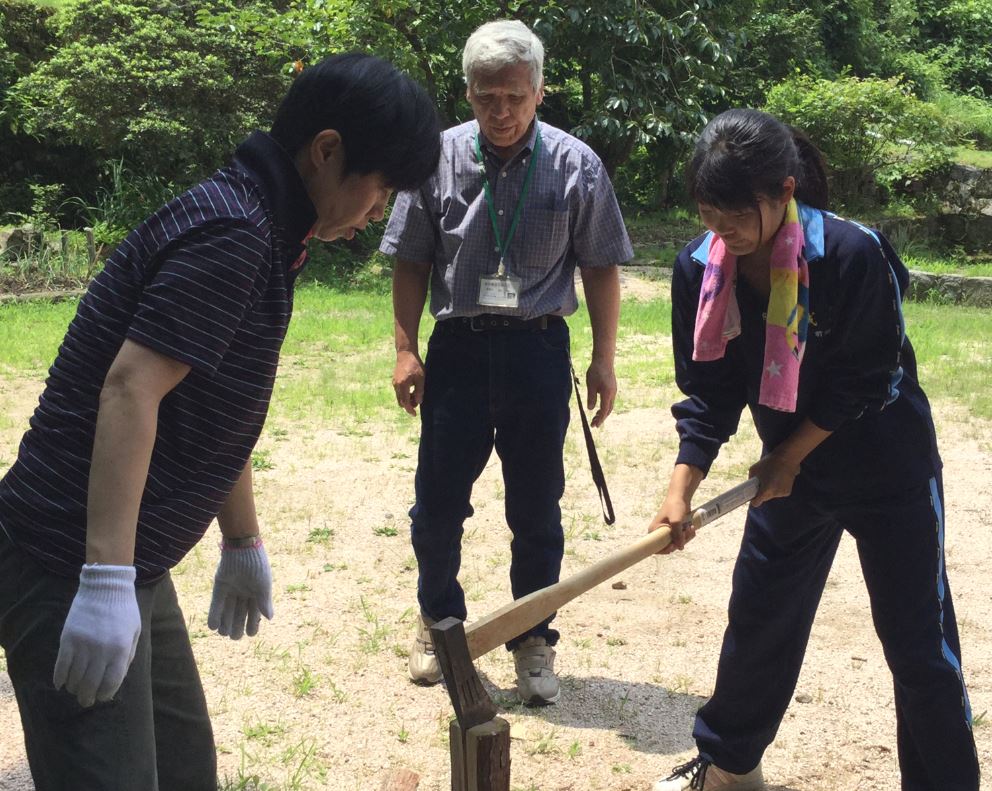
528	146
812	220
283	191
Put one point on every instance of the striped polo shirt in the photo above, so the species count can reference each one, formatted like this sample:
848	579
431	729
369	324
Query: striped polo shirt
206	280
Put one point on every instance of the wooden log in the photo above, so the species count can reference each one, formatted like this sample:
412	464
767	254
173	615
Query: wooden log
90	245
487	756
456	748
400	780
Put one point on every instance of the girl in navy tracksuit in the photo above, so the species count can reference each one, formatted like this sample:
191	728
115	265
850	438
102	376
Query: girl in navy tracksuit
796	313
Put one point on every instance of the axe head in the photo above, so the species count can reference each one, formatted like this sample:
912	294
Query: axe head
471	702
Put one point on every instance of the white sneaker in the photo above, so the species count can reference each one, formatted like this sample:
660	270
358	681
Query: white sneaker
701	775
537	684
424	668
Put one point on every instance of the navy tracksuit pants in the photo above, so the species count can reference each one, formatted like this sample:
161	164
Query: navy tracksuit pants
786	553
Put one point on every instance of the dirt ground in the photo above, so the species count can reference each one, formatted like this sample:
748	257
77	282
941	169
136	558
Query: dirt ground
320	698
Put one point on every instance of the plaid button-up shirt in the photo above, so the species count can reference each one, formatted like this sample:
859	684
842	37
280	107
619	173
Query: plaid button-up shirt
570	218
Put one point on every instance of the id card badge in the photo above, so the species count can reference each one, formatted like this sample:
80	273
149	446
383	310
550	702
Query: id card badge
499	291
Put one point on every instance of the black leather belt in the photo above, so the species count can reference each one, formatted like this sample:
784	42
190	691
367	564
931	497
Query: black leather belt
492	322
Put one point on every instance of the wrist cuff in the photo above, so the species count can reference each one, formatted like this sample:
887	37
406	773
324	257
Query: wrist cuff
113	584
245	542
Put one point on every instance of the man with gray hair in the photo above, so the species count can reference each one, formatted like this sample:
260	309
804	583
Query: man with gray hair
514	206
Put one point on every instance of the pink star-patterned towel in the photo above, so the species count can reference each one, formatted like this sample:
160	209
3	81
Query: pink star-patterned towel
718	318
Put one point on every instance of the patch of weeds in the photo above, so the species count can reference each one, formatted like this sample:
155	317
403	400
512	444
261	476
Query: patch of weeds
335	567
622	769
980	721
304	682
320	535
298	587
339	695
681	684
302	759
264	732
403	735
574	750
373	637
545	745
385	530
615	641
260	461
401	651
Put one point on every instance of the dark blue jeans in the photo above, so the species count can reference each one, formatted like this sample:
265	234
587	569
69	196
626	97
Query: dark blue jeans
504	389
786	553
155	734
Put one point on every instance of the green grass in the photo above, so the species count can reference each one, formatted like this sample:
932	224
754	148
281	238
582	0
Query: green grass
954	352
338	357
961	265
30	333
970	156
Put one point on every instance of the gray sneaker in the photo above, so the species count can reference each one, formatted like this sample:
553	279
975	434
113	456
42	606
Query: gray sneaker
701	775
424	668
537	684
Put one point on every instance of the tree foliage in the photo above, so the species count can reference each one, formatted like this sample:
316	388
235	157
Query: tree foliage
871	131
144	81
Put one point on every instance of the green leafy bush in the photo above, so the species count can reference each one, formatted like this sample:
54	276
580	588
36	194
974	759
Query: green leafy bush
967	117
873	133
144	81
968	36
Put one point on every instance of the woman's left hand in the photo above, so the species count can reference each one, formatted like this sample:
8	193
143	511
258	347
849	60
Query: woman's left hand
776	475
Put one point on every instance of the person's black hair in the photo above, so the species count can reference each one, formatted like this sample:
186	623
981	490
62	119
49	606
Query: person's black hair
387	122
743	154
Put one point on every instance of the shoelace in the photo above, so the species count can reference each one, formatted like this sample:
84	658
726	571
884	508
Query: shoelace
696	768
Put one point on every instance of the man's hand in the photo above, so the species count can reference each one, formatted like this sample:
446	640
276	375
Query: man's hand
100	634
408	381
601	385
242	591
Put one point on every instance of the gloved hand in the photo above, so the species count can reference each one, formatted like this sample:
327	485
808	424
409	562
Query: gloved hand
242	591
100	634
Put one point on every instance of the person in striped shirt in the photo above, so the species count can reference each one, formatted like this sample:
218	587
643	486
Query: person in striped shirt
144	432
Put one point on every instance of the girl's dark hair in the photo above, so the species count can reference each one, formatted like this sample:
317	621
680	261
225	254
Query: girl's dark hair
743	154
387	122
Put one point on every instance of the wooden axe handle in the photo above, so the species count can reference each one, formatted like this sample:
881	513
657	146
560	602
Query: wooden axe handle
526	612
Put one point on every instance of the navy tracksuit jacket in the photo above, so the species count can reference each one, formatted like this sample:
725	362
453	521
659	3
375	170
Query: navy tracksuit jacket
877	476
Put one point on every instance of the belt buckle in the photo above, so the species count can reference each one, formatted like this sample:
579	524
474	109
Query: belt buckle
477	327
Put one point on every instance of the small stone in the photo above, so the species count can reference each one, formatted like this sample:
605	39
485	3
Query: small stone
803	698
619	585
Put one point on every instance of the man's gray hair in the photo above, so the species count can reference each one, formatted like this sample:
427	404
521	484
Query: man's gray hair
496	45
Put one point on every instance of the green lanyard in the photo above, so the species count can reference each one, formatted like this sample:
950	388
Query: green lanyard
502	244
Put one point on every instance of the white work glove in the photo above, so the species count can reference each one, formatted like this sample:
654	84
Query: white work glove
242	591
100	634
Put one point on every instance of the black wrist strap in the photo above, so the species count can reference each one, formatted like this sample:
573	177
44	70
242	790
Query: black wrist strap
597	469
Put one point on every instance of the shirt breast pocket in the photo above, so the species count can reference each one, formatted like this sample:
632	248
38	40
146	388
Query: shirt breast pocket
546	236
